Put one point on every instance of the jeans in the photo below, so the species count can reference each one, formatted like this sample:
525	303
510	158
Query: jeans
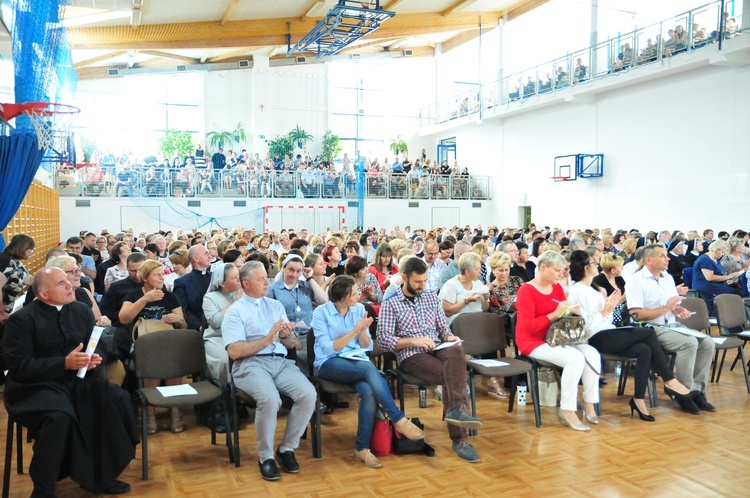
371	387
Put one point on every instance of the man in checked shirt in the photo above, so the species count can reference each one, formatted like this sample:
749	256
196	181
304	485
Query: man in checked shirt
412	324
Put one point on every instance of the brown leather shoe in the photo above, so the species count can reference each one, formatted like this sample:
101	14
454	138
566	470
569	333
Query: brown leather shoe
365	456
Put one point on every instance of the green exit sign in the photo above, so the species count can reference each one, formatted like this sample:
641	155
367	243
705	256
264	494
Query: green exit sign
261	137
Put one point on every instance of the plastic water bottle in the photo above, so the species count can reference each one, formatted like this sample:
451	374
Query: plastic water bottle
522	393
618	369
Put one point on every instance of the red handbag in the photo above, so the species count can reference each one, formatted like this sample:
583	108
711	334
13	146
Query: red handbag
381	443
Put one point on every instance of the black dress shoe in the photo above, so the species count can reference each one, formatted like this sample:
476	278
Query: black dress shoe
116	488
702	403
688	405
288	462
269	470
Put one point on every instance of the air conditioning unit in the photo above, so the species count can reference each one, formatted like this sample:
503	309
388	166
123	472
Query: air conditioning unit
243	64
137	4
356	56
300	60
113	72
181	68
408	53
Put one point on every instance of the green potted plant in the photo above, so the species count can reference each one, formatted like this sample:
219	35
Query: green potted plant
176	140
281	145
218	139
398	144
331	146
300	136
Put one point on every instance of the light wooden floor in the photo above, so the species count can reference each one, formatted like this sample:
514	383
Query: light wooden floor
678	455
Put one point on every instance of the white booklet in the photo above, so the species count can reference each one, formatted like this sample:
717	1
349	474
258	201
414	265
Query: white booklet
686	331
180	390
355	354
490	363
447	345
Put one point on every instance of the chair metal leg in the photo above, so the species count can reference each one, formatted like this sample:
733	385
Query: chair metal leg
535	390
8	457
144	440
228	426
745	368
512	394
721	365
714	364
473	395
400	387
235	427
316	430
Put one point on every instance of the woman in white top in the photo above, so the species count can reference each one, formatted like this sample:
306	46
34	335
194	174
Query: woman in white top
120	253
635	342
463	293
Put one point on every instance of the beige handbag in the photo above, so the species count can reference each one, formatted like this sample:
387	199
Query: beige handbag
145	326
547	380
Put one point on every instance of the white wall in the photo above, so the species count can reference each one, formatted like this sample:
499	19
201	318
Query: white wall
676	156
152	214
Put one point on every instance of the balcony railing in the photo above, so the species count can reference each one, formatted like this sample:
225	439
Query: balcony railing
202	183
701	27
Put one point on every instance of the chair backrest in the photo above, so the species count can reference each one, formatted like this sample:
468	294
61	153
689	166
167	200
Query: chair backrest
169	354
699	319
730	312
482	333
687	277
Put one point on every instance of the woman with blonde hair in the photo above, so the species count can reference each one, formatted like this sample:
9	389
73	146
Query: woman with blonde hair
483	251
154	302
463	293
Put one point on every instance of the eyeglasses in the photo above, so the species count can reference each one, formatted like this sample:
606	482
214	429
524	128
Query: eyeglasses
77	271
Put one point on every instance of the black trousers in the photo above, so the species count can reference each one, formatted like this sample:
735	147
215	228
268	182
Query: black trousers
636	342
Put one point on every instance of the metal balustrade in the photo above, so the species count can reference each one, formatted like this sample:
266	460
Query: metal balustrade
202	183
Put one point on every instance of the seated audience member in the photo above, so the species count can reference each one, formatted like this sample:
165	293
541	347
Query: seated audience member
180	264
318	266
153	302
253	330
332	256
734	260
367	284
516	269
610	280
434	265
677	260
341	330
223	291
579	73
82	294
191	287
629	269
118	271
540	302
451	270
297	295
83	428
383	265
708	273
694	248
637	342
411	324
462	294
653	298
446	252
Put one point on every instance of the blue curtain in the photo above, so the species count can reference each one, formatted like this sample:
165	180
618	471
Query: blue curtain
20	157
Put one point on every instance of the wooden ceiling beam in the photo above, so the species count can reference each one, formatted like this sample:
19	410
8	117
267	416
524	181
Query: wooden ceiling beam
427	41
355	48
462	38
228	12
98	58
233	53
457	7
258	32
167	55
392	4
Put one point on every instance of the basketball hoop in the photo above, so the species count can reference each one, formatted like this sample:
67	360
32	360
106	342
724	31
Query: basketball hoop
51	121
560	178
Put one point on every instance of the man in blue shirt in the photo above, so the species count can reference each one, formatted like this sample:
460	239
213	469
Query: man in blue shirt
257	334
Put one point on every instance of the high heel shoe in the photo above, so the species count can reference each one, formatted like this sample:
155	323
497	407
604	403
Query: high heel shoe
151	427
176	424
591	420
576	427
645	417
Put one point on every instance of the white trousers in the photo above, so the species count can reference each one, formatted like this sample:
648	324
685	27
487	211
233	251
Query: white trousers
572	359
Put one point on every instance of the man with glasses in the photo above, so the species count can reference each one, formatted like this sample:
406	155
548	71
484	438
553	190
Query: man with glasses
75	244
191	288
516	270
213	251
115	296
434	265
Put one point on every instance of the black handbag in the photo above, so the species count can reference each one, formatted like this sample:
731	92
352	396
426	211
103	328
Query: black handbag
402	445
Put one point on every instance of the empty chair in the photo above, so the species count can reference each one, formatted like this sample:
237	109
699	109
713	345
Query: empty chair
732	319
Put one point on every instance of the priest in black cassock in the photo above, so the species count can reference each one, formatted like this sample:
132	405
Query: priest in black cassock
83	428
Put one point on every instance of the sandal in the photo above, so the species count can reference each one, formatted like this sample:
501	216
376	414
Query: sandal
494	390
151	427
176	424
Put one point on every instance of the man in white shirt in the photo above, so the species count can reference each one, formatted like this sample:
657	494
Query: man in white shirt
434	265
257	334
653	298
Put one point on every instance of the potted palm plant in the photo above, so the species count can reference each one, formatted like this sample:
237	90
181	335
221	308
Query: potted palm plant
398	144
218	139
300	136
